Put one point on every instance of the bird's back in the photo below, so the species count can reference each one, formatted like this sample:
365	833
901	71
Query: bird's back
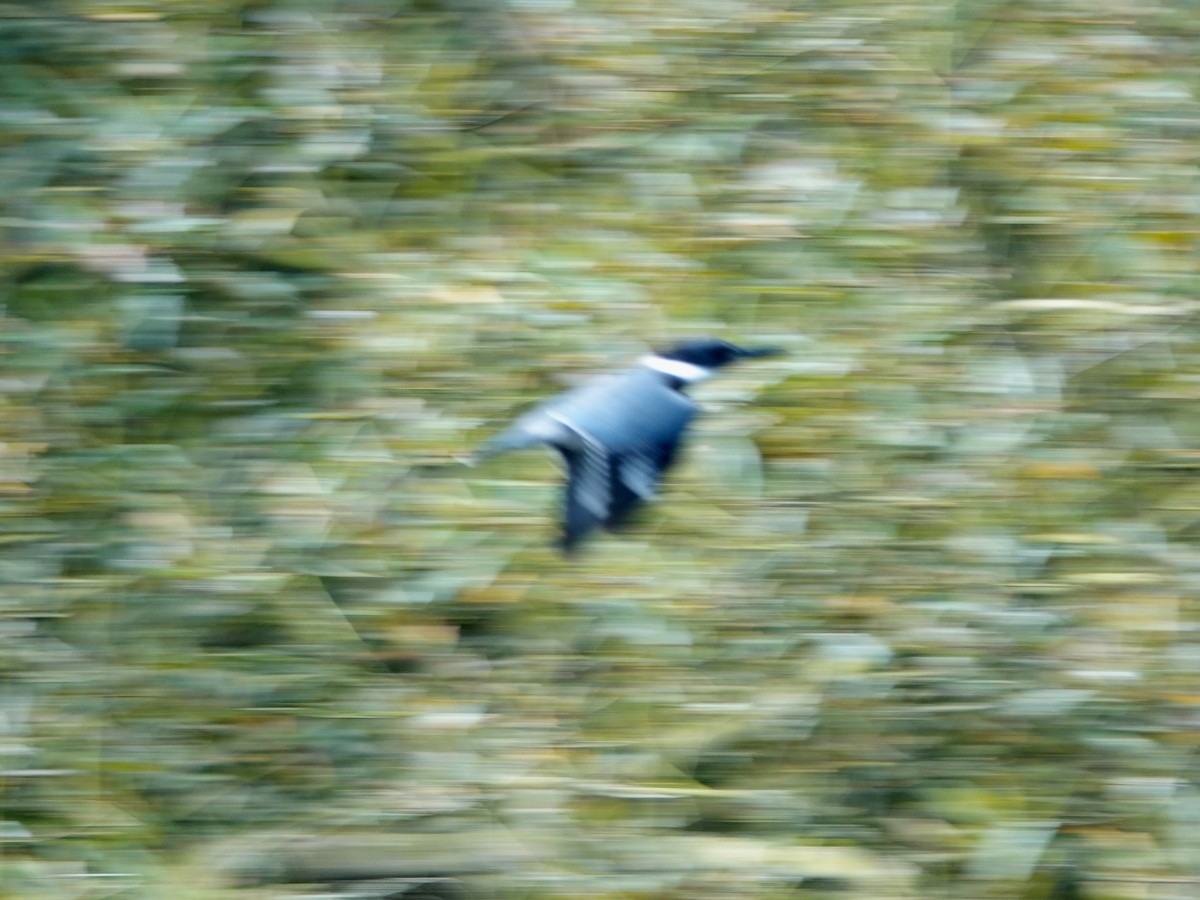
626	413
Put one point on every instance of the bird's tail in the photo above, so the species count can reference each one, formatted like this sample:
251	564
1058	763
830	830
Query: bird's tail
513	439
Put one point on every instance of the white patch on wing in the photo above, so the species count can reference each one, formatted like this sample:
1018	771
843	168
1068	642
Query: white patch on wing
591	488
639	474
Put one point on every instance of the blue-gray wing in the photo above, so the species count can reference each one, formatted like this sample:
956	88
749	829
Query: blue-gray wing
627	432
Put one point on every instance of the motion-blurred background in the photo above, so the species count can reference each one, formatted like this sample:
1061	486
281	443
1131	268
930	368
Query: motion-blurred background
916	616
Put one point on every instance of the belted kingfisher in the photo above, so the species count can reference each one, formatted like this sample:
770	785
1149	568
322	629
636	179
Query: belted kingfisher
619	433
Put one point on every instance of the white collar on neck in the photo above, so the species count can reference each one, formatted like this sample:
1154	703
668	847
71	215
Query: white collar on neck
684	371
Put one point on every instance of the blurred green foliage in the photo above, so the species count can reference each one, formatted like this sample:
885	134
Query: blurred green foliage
917	616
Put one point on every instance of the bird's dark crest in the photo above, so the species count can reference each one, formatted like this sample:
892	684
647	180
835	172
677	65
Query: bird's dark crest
712	353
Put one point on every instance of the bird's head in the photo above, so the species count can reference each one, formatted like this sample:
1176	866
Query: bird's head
696	359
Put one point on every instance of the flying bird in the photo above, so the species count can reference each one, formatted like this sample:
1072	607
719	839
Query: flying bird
619	433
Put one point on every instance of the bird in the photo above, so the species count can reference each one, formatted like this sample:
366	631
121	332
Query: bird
618	434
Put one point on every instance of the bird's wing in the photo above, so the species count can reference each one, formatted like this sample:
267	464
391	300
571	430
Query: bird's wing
634	426
637	474
589	497
642	444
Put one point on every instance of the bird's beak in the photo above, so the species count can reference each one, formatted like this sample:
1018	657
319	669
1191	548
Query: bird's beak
757	352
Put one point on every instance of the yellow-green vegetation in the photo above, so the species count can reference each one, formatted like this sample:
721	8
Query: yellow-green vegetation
918	615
